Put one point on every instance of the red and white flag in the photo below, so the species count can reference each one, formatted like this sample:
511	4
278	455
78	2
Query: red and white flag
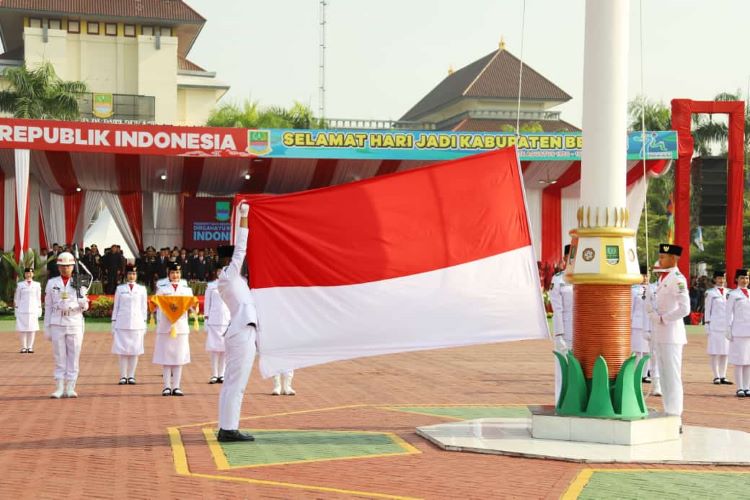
435	257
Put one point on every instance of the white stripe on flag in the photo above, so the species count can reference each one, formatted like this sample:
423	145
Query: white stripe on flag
494	299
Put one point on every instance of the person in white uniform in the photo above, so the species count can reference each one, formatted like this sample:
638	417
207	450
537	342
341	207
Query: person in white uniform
63	324
561	299
738	332
672	304
216	316
715	321
27	302
640	326
652	375
129	324
240	335
172	352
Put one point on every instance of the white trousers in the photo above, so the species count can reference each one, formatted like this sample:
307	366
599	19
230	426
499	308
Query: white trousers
27	339
669	359
240	355
67	351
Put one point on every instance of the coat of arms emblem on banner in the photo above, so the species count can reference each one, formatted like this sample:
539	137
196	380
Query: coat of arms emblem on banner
258	142
222	211
103	105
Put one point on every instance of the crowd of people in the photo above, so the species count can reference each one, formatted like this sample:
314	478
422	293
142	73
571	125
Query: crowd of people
197	264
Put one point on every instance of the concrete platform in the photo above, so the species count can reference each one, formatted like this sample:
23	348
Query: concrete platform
512	436
657	427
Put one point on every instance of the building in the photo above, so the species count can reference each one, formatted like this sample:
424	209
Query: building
483	96
132	54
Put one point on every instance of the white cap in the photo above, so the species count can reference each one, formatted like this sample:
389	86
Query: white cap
65	259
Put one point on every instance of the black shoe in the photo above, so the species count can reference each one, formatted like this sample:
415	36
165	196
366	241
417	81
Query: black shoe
747	394
680	429
740	393
131	380
646	380
213	380
724	381
122	381
221	380
166	392
177	392
717	381
30	350
23	350
235	435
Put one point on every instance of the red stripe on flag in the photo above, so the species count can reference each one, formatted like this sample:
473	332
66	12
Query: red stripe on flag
403	224
324	171
62	168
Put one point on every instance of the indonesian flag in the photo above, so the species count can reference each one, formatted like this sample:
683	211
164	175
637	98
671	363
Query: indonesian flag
435	257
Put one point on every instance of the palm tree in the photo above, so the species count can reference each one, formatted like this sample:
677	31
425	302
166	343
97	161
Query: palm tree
656	115
250	115
39	93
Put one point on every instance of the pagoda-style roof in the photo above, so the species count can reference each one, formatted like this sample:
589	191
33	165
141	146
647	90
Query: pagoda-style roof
485	125
494	76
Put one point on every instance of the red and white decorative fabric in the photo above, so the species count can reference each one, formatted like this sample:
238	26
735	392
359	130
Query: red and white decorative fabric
417	260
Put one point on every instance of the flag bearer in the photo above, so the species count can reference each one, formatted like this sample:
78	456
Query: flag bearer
63	324
738	332
715	319
129	324
28	304
216	316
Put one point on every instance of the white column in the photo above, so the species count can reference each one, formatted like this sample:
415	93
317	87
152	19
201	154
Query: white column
605	82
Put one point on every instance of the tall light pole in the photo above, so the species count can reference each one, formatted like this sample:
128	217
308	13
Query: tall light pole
322	62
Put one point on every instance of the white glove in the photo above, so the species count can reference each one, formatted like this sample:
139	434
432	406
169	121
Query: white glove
560	345
647	336
728	335
706	327
83	303
649	307
244	209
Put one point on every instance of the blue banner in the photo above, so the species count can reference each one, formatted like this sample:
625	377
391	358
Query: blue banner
438	145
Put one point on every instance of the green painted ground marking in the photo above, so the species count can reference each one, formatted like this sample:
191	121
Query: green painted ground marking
665	485
468	412
280	447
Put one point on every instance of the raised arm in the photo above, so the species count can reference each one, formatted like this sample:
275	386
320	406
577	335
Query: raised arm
240	243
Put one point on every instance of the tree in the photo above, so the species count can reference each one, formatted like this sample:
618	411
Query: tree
39	93
656	115
250	115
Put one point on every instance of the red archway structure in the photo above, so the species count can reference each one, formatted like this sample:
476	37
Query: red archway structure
682	111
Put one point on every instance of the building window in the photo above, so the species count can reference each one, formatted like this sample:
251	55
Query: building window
74	26
110	29
54	24
129	30
35	22
166	31
92	28
147	30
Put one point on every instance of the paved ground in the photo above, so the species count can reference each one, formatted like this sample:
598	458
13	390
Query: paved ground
349	432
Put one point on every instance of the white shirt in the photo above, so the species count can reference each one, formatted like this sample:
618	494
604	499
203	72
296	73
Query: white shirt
131	307
561	298
672	304
234	289
738	313
62	307
215	310
28	298
715	315
638	312
182	327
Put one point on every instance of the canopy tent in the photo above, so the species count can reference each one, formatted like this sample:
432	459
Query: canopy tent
143	181
104	233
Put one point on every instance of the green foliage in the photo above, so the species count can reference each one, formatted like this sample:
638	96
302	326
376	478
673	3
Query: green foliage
11	271
100	308
39	93
250	115
657	115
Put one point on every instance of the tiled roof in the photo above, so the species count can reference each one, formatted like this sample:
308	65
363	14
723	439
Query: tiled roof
485	125
187	65
493	76
169	10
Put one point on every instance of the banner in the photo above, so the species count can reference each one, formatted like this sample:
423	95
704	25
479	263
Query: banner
206	222
286	143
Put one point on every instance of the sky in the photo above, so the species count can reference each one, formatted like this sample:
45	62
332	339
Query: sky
382	57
